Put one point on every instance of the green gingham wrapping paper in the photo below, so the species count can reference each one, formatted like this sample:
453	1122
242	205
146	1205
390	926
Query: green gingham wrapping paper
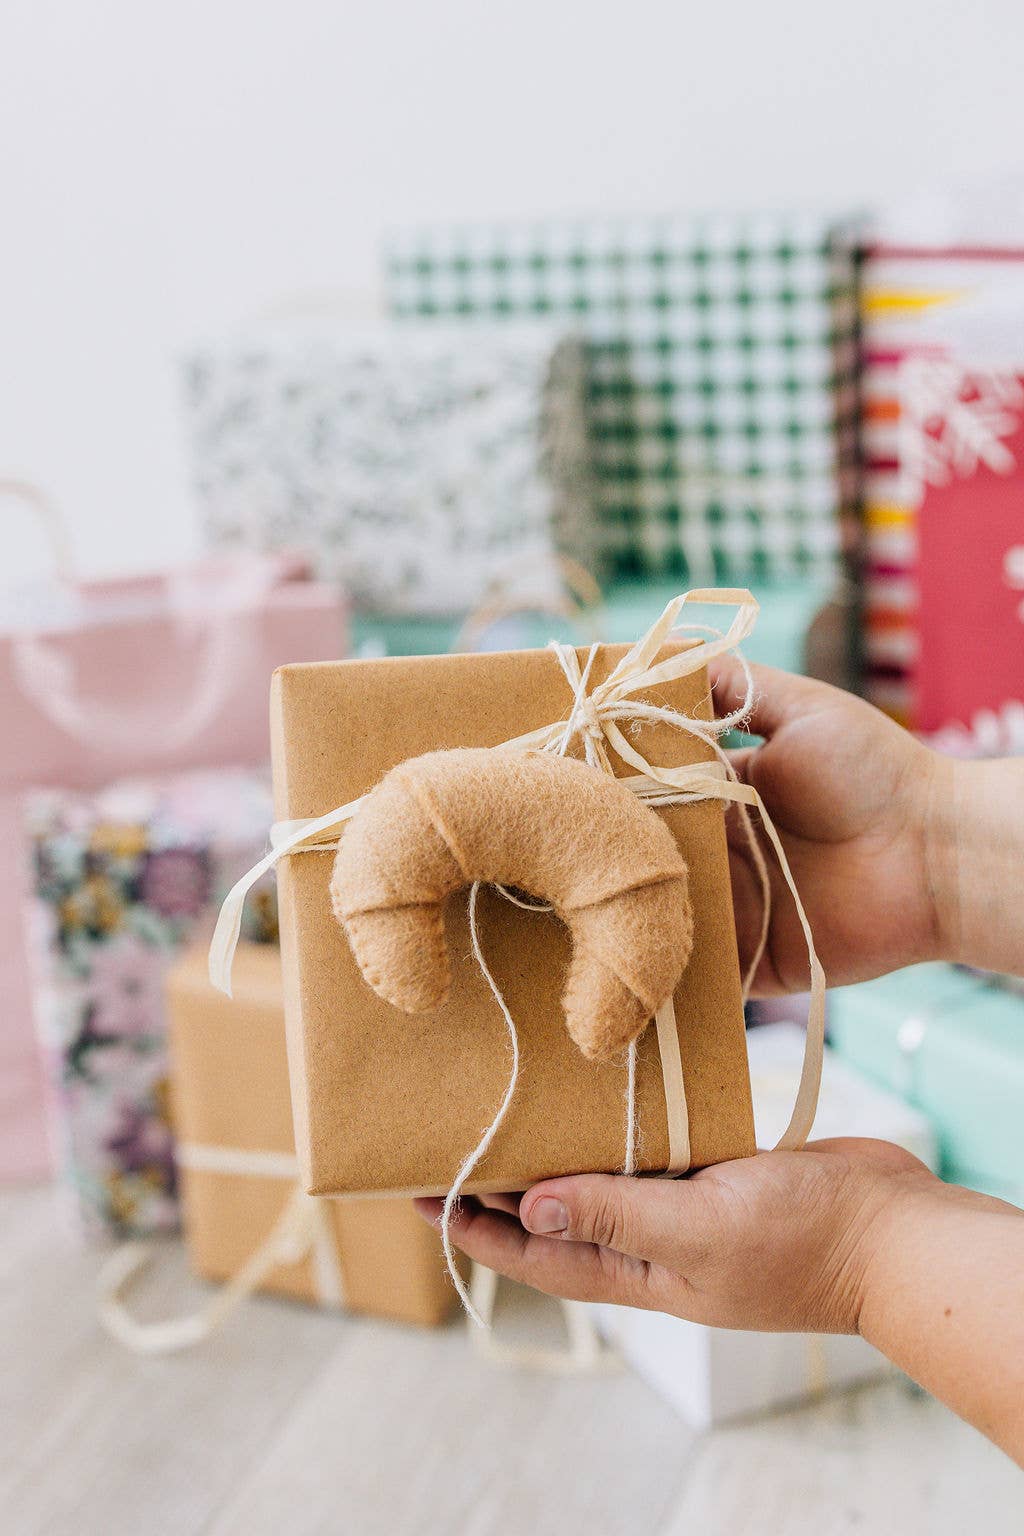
413	468
722	369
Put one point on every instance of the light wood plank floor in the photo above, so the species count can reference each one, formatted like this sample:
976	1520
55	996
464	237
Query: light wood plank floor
306	1423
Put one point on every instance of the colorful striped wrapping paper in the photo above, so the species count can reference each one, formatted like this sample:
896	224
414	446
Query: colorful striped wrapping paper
943	412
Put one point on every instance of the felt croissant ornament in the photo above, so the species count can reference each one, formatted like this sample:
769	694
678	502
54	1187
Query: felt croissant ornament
557	828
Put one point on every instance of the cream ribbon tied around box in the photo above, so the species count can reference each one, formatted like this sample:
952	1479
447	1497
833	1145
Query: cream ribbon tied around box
302	1229
596	718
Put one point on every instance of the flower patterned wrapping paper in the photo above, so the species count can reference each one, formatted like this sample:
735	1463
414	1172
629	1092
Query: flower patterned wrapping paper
416	467
123	879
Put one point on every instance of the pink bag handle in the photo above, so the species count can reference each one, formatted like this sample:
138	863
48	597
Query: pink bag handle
46	674
48	515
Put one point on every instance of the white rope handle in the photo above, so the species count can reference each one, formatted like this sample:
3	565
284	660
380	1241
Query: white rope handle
50	518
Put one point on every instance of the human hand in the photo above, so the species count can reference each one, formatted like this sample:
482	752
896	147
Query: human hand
784	1241
853	798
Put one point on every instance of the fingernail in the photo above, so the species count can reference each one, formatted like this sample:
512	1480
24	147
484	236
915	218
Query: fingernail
547	1216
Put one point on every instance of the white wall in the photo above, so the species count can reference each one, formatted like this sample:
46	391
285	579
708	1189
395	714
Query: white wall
171	169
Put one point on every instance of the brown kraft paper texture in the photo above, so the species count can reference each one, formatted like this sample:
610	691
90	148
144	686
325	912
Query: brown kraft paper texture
230	1090
390	1102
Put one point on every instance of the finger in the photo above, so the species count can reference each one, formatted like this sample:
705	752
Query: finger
577	1271
778	696
654	1220
507	1203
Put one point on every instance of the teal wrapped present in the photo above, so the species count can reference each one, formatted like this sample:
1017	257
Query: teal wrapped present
952	1044
787	610
721	373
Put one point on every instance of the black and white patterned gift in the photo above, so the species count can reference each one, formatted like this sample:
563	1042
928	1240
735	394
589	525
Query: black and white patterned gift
416	467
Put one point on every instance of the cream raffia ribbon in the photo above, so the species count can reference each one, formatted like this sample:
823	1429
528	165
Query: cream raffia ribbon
303	1227
596	718
585	1350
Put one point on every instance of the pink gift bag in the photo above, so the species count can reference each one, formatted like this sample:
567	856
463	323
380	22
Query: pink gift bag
141	675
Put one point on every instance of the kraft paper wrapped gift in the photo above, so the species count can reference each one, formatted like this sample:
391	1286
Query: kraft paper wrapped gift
388	1101
232	1116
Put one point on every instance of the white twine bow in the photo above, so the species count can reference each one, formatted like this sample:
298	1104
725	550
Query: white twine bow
595	718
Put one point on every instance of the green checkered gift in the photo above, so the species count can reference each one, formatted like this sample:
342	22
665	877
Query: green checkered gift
721	374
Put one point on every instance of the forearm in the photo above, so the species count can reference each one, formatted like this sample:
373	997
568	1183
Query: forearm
975	858
944	1298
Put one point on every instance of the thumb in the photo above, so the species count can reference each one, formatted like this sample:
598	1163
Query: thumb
642	1218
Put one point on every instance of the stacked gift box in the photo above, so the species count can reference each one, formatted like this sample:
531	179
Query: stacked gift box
947	1041
171	1101
413	468
143	675
721	370
944	465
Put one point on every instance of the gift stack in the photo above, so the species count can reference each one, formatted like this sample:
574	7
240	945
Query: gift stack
944	467
950	1043
415	469
721	375
148	676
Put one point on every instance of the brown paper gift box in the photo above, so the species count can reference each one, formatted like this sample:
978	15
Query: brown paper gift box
230	1090
385	1101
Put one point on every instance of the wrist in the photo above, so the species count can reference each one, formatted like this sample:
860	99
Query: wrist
907	1206
972	842
942	794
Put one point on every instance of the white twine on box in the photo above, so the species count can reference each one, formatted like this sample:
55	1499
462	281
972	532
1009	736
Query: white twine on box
595	718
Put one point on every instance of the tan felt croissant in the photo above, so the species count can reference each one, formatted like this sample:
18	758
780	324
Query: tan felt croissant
552	826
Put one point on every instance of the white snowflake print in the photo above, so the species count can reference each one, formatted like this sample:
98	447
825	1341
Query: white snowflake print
1013	573
942	434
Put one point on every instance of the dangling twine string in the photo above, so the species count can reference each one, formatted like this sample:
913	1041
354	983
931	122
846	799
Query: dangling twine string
629	1162
595	718
452	1197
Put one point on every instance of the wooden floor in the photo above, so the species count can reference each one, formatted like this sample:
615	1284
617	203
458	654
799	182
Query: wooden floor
299	1423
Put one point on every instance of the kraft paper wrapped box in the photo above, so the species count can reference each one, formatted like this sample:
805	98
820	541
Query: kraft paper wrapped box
387	1101
232	1117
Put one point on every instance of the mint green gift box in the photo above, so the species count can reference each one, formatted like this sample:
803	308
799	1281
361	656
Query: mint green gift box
630	607
952	1044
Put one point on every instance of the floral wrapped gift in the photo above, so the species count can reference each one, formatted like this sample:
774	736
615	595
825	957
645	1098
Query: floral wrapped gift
123	878
416	467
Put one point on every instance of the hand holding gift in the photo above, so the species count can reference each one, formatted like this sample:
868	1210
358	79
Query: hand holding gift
900	856
627	844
